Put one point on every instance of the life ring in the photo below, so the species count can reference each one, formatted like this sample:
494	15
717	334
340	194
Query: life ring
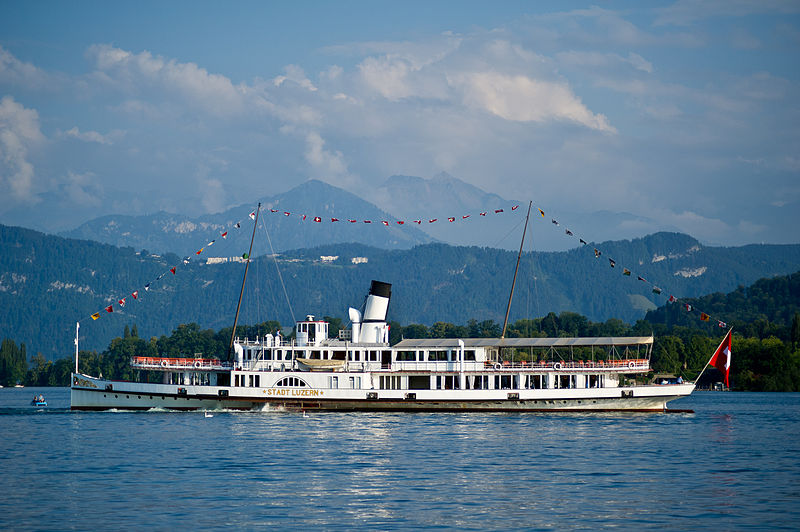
497	366
631	365
557	365
163	363
197	364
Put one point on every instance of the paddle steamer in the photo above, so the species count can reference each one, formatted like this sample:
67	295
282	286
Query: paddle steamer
359	370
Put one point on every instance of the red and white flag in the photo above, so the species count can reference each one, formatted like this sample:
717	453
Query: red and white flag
135	294
253	215
122	302
722	358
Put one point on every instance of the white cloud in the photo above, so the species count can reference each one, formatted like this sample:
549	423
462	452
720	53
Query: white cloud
83	189
92	136
327	164
135	73
601	60
16	72
522	99
19	132
687	12
296	75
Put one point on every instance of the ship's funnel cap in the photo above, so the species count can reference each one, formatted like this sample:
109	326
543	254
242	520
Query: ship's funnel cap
378	288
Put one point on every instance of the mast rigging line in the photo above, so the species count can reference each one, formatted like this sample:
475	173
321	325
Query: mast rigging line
278	270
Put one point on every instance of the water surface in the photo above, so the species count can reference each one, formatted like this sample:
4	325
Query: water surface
733	464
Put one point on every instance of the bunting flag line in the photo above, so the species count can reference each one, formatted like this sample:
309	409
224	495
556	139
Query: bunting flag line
135	294
612	262
626	271
541	212
704	316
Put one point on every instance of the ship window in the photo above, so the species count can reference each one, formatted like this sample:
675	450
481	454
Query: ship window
390	382
419	382
481	382
437	355
566	381
406	356
373	356
533	382
333	382
469	355
355	383
258	381
291	382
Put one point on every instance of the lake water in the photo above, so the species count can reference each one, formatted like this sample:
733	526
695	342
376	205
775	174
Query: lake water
733	464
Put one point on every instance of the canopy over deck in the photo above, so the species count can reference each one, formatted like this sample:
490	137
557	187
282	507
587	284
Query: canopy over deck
598	341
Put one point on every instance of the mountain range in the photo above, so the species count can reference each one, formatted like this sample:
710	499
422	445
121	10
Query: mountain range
47	283
164	232
399	198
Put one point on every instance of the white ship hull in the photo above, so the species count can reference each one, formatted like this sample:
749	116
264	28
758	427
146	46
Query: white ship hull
96	394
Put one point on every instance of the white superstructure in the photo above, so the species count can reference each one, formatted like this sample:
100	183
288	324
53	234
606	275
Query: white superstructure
359	370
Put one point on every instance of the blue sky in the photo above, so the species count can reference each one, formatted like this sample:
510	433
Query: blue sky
684	114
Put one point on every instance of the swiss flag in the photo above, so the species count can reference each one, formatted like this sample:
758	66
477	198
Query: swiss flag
722	358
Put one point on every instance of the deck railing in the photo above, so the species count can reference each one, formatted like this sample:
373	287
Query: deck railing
162	363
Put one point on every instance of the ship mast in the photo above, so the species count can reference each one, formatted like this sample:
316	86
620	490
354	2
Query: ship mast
514	282
244	279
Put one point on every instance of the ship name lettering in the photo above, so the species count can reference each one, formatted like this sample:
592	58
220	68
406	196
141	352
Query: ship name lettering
294	392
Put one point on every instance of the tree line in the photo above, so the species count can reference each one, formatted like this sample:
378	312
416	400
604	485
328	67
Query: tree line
768	363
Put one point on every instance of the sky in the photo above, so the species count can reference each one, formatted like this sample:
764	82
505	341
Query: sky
683	113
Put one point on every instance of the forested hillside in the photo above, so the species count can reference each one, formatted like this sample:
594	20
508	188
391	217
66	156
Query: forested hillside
48	283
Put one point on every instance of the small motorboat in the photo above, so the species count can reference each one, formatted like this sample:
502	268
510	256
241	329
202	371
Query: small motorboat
39	400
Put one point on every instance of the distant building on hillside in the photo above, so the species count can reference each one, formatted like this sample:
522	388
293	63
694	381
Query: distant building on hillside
328	258
359	260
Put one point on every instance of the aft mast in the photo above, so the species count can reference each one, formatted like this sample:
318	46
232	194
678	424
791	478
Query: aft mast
514	282
244	280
